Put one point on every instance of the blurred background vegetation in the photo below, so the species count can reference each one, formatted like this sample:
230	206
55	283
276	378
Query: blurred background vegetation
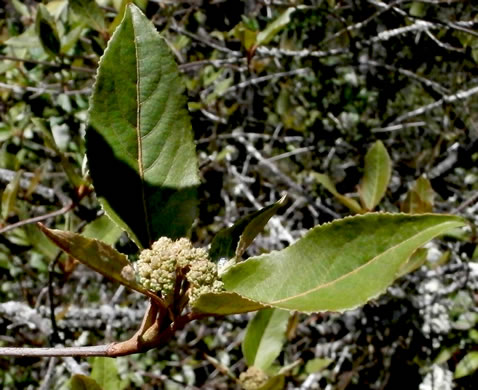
278	91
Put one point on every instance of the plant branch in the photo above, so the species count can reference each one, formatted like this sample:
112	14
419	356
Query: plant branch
69	206
46	63
460	95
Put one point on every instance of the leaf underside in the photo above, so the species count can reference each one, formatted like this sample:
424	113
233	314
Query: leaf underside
139	143
337	266
224	303
264	338
98	256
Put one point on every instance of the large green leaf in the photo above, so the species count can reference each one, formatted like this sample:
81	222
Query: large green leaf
264	338
140	144
98	256
339	265
224	303
233	241
378	169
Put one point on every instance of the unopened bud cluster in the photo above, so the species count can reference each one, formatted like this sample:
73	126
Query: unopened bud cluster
253	379
159	266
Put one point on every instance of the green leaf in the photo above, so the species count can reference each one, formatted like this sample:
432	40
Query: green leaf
264	338
46	30
416	260
420	198
233	241
224	303
468	365
352	204
70	171
378	170
105	373
89	11
265	36
275	383
98	256
103	229
316	365
140	145
9	196
339	265
82	382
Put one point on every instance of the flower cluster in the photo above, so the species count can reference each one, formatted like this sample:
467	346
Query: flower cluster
158	268
253	379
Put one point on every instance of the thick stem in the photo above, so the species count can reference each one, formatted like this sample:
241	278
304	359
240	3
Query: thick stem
152	338
97	350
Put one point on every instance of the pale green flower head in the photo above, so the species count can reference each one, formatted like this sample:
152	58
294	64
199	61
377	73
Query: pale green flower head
158	267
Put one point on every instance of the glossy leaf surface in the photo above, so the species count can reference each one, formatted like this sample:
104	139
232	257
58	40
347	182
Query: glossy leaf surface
98	256
264	338
378	169
140	145
339	265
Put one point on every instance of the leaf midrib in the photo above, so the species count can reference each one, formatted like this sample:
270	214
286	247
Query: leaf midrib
138	132
356	270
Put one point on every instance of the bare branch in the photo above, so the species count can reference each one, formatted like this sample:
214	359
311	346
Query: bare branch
40	90
49	64
97	350
461	95
273	76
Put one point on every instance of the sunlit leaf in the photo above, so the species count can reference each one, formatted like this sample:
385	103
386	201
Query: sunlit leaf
233	241
273	28
416	260
468	365
105	373
140	145
377	172
264	338
103	229
339	265
98	256
352	204
225	303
